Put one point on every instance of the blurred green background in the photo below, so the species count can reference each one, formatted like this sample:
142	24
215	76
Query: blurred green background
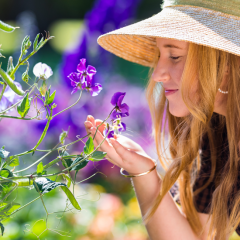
109	206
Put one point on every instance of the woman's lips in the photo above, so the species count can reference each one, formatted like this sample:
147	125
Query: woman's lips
169	92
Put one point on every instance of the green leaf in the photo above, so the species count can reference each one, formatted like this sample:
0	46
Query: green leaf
89	147
35	43
24	106
46	185
12	161
6	173
10	66
62	137
97	156
2	228
81	165
68	161
66	177
51	98
40	168
7	208
3	153
40	43
26	44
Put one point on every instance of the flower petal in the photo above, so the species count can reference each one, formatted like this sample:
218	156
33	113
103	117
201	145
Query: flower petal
74	76
115	97
124	108
96	89
126	114
3	103
37	70
122	127
75	90
114	115
82	66
91	70
11	96
47	71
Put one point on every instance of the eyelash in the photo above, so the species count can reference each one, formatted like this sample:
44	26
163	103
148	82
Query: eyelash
175	58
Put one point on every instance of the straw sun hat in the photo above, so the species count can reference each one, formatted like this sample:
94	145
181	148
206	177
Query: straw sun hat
213	23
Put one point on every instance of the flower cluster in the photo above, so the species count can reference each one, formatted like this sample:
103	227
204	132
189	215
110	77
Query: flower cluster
120	110
83	79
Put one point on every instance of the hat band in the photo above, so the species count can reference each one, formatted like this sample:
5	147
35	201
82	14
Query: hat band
223	6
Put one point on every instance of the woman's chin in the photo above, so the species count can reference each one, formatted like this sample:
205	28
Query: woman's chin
179	111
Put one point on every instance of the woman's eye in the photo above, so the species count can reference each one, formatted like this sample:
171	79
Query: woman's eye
175	58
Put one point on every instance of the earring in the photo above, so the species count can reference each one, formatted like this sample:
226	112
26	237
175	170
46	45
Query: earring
224	92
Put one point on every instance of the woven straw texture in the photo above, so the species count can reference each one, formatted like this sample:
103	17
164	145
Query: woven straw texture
212	25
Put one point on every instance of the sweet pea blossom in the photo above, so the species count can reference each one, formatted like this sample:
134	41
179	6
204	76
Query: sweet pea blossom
42	71
117	127
121	109
9	97
83	78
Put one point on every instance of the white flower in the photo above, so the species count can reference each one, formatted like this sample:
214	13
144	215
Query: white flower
42	70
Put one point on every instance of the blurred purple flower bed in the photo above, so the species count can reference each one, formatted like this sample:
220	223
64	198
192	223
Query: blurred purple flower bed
105	16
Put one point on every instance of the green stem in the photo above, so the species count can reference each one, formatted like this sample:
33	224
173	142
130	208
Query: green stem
5	116
23	206
40	195
70	106
3	90
103	122
14	105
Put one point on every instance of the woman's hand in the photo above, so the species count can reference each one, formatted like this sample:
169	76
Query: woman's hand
120	150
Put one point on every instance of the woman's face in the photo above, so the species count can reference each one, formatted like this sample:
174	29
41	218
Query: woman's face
169	71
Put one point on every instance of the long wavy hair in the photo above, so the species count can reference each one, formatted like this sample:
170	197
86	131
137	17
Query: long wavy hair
205	69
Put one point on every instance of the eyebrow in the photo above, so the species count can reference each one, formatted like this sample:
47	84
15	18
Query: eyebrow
171	46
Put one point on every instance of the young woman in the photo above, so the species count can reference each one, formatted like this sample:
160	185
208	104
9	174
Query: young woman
193	48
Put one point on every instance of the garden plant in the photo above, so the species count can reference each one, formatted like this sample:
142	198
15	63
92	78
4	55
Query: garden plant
40	96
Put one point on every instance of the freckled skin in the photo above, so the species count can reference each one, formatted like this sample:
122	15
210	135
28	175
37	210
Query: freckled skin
169	71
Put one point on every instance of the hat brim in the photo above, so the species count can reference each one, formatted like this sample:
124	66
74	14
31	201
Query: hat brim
137	42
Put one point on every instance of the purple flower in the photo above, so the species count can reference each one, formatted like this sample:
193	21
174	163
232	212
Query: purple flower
110	135
83	79
121	110
9	97
86	74
115	128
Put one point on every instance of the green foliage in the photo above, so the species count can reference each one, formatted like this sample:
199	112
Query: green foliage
10	66
49	98
89	147
24	106
2	228
97	156
66	162
45	185
12	161
66	177
3	153
35	43
40	168
7	79
26	44
6	27
82	163
62	137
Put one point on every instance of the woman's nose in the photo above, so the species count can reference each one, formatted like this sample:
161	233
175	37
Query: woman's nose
160	73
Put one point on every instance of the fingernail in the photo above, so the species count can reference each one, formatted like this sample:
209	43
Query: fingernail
112	140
